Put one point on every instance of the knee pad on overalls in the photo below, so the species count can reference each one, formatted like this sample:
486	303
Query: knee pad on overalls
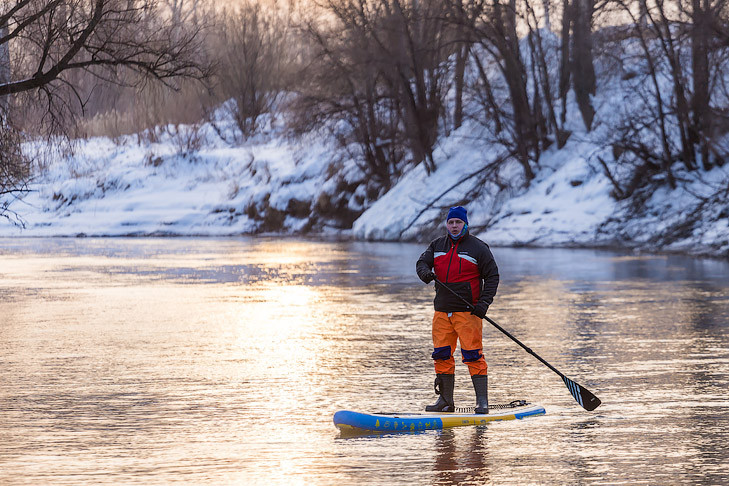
475	361
443	360
471	355
443	352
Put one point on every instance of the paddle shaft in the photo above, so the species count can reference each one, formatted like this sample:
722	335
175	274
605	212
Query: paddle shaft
507	333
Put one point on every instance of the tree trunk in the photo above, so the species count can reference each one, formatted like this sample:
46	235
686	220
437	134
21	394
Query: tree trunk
583	71
542	78
460	68
643	12
660	107
5	72
564	60
681	104
507	42
462	48
547	15
700	128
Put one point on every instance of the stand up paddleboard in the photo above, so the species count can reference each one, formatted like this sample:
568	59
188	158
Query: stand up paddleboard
356	422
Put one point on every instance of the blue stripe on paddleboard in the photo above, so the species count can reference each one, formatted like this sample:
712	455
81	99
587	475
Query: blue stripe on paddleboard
529	413
385	423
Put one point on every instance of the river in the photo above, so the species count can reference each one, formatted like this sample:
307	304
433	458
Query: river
221	361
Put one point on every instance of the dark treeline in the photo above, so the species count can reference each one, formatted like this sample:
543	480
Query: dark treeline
389	78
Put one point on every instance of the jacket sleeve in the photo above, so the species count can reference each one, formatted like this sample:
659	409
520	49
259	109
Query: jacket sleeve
490	275
425	262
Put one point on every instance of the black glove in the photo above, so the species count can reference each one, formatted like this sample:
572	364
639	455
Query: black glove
480	309
427	277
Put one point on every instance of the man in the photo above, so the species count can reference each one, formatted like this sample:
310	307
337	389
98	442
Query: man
465	264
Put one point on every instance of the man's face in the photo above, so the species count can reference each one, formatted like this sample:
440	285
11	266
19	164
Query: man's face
455	226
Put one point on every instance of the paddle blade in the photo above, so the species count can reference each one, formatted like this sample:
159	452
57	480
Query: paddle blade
584	397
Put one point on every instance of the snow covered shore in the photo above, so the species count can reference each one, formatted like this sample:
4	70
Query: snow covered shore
275	184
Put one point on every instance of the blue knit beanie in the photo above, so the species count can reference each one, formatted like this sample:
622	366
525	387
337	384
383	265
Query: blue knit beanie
458	212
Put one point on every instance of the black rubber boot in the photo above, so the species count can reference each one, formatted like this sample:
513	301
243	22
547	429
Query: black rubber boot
480	384
444	387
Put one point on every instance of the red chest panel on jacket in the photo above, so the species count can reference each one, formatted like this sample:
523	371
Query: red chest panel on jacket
452	266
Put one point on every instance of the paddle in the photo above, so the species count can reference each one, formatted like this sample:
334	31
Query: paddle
584	397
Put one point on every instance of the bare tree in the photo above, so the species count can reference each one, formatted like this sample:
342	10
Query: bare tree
415	45
13	171
462	45
542	57
56	36
565	72
702	14
494	30
577	63
55	46
48	41
387	62
344	87
255	61
4	68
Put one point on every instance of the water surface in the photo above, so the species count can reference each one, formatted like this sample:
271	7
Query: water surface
222	361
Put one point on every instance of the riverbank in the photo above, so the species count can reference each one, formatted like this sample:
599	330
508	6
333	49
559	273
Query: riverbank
275	184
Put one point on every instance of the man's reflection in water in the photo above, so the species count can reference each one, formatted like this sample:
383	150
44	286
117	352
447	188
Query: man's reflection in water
462	457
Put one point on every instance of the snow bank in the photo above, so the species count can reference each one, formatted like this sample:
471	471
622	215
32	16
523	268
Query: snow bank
275	184
564	206
124	188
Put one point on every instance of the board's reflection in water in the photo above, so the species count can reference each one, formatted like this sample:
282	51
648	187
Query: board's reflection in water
462	457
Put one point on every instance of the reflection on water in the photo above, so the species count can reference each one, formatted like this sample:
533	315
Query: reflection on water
205	361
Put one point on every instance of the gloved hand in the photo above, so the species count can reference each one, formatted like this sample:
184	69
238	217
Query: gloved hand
427	277
480	309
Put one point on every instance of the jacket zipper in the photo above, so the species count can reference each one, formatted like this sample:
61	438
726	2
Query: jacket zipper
454	246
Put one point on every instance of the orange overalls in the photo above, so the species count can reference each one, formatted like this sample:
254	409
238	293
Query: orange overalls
450	327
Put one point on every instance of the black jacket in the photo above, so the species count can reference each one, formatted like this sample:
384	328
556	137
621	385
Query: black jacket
466	266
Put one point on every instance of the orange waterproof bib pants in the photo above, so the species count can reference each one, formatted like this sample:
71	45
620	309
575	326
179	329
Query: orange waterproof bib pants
448	329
